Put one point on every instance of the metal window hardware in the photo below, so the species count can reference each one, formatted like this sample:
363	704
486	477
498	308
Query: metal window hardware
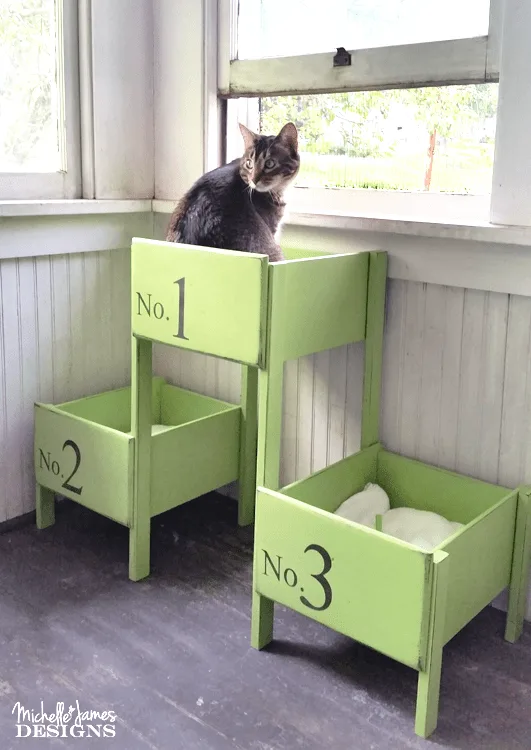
342	57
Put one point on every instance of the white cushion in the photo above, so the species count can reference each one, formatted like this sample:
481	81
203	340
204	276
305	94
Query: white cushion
364	506
420	527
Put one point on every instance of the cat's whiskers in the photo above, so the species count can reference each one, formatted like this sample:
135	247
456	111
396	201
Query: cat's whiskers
249	189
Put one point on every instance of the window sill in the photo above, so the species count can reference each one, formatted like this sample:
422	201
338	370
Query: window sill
30	229
421	226
78	207
418	226
474	230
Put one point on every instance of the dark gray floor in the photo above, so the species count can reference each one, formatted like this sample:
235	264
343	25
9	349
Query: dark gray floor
171	655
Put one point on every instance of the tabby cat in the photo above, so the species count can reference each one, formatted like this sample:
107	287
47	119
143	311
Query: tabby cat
239	206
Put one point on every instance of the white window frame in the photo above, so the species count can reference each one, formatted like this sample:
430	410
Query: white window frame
62	184
454	61
457	61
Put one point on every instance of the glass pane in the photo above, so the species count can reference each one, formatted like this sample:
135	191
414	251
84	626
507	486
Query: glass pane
29	133
277	28
439	139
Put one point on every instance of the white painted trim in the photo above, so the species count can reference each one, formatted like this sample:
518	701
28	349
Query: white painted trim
401	66
31	237
472	256
211	102
459	217
389	204
163	206
33	185
511	177
123	82
225	37
494	39
78	207
475	231
86	100
420	225
65	183
385	204
179	98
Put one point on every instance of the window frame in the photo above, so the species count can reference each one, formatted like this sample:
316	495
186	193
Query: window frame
462	61
453	61
62	184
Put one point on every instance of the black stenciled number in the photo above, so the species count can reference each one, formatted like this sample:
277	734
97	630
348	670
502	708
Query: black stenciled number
66	484
180	332
320	578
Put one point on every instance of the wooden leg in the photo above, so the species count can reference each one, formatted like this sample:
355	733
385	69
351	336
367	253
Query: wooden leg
520	567
370	419
430	677
45	503
262	621
141	397
248	445
428	696
139	550
270	425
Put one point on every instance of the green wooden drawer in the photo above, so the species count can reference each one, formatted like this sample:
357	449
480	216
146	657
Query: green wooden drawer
366	584
84	449
223	303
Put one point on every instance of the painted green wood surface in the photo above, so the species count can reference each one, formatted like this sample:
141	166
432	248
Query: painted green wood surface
418	485
102	481
262	619
429	679
44	506
328	488
480	563
179	406
316	304
218	309
480	558
520	569
141	421
374	580
195	439
193	459
270	423
372	380
111	408
298	253
248	445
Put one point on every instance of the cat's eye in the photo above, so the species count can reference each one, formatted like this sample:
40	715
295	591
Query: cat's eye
249	163
270	163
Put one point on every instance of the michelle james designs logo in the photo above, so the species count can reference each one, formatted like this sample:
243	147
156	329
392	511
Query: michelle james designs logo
63	722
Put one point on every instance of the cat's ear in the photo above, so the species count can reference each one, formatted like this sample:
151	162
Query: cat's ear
249	138
289	136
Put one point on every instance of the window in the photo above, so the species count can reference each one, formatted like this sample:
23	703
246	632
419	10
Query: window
39	122
415	110
439	139
278	28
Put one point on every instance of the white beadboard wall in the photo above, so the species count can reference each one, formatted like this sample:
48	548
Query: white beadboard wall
64	333
456	381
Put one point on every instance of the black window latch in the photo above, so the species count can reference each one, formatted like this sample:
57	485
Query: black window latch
342	57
